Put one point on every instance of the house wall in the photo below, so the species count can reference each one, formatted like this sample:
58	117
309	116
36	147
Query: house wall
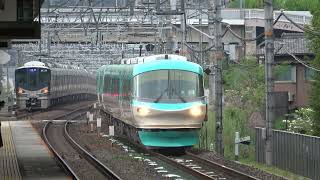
300	88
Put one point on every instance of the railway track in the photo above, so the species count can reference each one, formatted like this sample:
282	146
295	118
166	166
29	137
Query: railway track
212	169
72	156
77	161
58	155
62	109
198	167
26	114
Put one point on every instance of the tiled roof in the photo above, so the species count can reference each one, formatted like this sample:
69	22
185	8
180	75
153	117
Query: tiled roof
295	43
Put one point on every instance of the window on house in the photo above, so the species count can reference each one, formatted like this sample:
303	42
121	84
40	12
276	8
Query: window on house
309	74
285	73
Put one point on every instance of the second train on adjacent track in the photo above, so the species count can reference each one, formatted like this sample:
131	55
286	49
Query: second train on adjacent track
39	86
157	101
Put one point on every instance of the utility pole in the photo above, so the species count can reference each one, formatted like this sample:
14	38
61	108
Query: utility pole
183	27
49	43
169	35
200	37
269	60
211	54
216	55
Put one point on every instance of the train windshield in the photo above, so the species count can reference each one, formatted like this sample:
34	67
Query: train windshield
32	78
168	86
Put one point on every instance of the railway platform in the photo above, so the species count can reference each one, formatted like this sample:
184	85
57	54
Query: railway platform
24	155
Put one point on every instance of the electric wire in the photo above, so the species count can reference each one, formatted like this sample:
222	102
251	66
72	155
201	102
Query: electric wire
301	62
252	39
241	38
197	50
311	31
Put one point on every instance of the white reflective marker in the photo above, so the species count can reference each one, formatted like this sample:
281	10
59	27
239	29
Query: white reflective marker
111	130
90	117
98	122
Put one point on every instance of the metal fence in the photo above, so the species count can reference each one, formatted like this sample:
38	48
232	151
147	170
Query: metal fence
297	153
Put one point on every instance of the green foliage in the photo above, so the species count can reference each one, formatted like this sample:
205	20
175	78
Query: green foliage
281	124
234	120
244	82
273	170
291	5
247	4
297	5
302	122
315	98
207	133
247	82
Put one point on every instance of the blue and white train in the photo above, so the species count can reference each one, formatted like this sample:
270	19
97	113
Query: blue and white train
38	86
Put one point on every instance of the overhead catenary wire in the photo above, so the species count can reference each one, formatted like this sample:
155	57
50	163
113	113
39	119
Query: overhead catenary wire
197	50
204	50
300	61
251	39
245	65
311	31
241	38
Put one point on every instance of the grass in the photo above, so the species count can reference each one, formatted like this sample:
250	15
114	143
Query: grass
236	119
273	170
207	133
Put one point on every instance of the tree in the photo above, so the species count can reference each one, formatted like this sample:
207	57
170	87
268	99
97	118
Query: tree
245	80
315	92
290	5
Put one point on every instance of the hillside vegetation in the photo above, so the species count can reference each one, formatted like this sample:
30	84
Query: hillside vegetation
290	5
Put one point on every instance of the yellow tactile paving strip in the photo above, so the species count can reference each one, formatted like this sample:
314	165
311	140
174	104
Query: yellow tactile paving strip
9	167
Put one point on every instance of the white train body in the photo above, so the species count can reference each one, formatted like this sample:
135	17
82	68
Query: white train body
38	87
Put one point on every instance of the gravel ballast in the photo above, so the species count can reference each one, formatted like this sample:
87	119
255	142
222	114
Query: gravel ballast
255	172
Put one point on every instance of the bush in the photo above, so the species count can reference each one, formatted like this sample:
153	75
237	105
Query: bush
302	122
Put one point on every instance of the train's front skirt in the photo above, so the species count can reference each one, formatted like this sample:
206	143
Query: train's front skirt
169	138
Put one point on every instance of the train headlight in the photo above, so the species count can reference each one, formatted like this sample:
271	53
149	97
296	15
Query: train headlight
195	111
143	111
20	91
44	90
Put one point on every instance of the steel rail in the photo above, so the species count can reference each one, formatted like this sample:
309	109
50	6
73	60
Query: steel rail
25	114
64	164
180	166
172	162
87	106
221	168
168	160
90	158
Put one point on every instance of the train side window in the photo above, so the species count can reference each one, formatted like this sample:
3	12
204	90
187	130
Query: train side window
106	84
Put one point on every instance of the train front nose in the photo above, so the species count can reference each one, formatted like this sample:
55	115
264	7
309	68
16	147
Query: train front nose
169	126
148	117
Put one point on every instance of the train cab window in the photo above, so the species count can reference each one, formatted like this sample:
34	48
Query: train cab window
32	78
21	78
106	84
44	77
168	86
